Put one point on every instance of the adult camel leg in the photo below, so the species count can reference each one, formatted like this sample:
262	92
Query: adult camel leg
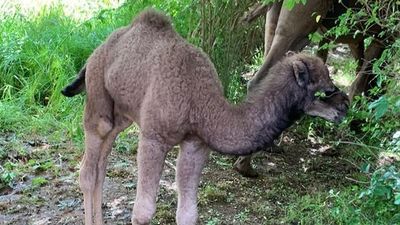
365	79
357	51
291	33
243	163
356	46
323	53
270	25
191	160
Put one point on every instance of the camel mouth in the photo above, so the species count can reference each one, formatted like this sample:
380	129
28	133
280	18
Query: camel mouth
330	104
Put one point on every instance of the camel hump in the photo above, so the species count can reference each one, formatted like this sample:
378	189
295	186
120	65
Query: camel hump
153	18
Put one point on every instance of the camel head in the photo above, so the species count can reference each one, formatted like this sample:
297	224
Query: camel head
322	98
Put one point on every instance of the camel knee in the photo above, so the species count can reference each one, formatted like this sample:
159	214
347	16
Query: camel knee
98	122
143	213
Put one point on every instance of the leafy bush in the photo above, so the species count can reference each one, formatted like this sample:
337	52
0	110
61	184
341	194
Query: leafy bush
375	121
384	185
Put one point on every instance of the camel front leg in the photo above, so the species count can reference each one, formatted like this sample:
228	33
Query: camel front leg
150	160
365	79
191	160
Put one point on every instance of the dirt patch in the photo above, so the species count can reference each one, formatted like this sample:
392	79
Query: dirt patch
224	198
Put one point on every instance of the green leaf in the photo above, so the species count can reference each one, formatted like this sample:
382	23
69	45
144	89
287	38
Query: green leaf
382	191
39	181
395	219
398	104
320	94
380	106
365	167
315	37
397	199
7	177
265	2
289	4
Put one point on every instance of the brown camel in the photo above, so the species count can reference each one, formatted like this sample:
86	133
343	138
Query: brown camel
146	73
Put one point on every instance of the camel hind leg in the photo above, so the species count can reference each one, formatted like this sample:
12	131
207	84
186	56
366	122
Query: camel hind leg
98	145
102	124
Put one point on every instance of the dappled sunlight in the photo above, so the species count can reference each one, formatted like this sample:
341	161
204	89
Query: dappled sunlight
342	66
340	77
76	9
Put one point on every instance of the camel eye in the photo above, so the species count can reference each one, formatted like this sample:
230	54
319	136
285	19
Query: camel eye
329	93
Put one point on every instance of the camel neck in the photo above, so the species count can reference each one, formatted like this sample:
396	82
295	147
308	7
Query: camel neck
250	126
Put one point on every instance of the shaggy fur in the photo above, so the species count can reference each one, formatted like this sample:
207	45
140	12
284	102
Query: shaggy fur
146	73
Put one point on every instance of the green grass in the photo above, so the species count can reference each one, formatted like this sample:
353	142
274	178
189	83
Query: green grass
343	207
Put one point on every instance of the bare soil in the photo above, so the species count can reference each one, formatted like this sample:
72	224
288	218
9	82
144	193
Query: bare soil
225	197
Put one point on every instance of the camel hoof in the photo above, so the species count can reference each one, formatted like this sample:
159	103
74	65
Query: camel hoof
244	170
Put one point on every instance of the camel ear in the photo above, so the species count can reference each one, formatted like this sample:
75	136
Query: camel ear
301	73
290	53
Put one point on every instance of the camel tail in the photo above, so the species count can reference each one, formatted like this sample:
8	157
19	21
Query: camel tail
77	86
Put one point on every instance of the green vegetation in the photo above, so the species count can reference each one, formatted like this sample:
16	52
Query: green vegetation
41	136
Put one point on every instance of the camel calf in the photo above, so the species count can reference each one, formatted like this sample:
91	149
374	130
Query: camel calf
146	73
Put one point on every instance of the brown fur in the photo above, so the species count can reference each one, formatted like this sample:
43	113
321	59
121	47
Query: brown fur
146	73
